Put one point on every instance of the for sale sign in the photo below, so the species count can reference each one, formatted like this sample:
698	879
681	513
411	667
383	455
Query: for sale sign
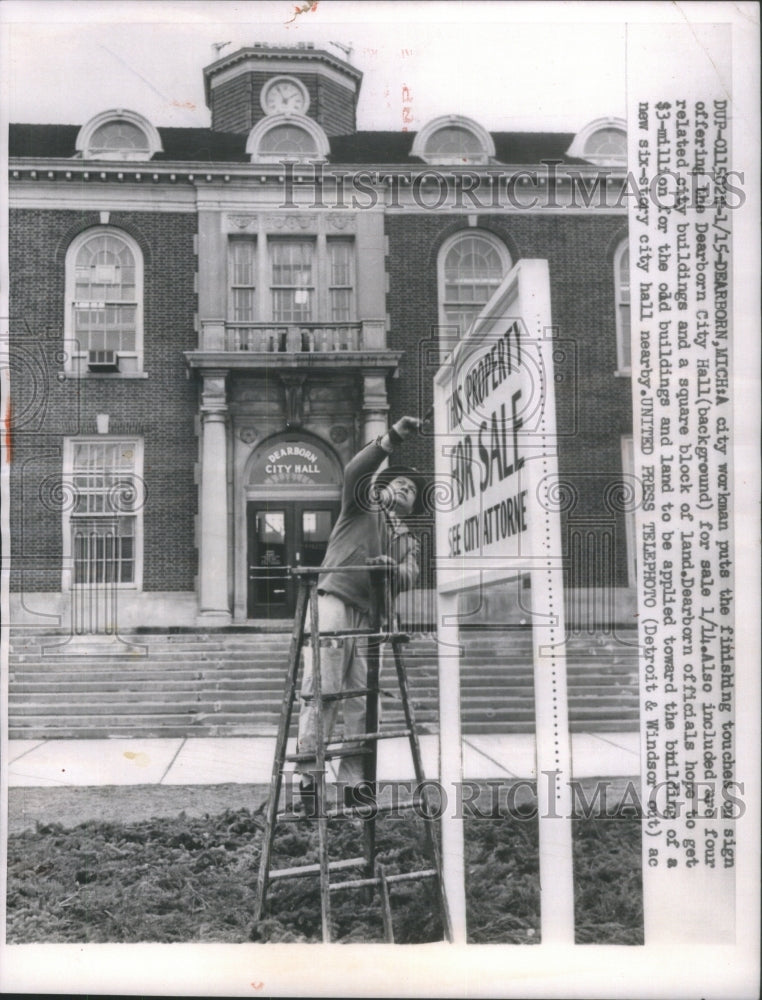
497	520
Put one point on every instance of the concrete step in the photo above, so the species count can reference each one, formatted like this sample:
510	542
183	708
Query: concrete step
231	684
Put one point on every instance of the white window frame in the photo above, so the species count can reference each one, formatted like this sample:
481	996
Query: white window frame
628	468
329	285
76	361
233	286
623	337
581	139
85	150
320	285
485	140
505	256
311	288
270	122
136	443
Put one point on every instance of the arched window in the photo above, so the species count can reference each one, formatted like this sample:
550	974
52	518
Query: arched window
603	142
287	137
118	135
622	296
471	266
453	140
287	140
454	143
607	145
104	295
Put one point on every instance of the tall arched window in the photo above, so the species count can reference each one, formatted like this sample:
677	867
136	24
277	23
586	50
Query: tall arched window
104	295
622	295
471	266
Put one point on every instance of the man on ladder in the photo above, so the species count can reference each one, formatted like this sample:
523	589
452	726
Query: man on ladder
370	530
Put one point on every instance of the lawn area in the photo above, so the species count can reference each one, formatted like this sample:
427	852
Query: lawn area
192	878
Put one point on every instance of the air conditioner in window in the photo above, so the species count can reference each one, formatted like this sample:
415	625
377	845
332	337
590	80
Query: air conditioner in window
103	361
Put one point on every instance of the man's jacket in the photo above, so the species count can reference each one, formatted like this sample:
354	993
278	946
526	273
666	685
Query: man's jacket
361	532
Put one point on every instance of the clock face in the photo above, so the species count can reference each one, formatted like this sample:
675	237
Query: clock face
283	96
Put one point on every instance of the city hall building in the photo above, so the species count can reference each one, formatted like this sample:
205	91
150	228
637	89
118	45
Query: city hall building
207	323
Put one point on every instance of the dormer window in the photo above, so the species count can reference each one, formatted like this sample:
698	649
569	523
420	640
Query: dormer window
603	142
287	137
287	140
453	140
118	135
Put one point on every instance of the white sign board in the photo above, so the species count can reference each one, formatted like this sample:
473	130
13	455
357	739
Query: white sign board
496	470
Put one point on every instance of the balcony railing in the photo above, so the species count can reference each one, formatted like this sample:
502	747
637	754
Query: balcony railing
292	338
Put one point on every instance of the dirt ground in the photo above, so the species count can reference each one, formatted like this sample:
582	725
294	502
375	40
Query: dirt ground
169	863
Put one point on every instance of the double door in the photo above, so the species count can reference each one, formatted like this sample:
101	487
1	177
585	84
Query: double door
281	535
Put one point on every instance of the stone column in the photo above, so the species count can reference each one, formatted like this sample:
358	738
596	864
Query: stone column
375	407
214	608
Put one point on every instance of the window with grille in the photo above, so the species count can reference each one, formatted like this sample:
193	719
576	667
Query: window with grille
472	265
340	280
607	146
104	518
243	280
622	293
104	289
287	140
292	280
455	144
118	135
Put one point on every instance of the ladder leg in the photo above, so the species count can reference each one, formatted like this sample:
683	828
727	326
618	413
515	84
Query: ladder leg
431	834
371	760
297	638
386	905
325	891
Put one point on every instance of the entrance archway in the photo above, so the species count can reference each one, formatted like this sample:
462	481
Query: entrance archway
293	489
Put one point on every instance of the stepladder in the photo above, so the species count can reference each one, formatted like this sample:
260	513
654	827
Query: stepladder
369	872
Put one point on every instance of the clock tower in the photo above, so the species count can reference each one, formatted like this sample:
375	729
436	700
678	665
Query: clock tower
246	86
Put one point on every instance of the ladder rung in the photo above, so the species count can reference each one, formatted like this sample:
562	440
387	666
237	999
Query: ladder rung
355	812
390	734
340	695
302	870
360	883
329	754
359	633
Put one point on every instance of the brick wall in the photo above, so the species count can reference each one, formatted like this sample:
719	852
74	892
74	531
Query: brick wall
594	406
236	105
48	407
335	107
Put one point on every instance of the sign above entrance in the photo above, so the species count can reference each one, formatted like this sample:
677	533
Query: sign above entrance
293	461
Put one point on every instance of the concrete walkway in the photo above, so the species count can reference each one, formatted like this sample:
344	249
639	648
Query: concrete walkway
212	761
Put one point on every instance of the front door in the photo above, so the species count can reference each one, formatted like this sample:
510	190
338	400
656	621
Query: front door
283	534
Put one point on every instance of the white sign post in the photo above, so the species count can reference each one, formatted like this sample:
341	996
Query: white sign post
496	453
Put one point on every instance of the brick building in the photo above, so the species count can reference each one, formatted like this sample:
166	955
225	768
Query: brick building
207	323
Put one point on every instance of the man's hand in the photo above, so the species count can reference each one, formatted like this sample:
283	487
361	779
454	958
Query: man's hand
406	426
380	561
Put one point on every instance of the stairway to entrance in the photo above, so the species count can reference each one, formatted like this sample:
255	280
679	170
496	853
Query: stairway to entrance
229	683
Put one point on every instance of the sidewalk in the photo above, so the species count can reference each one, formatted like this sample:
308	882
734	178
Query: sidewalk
212	761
